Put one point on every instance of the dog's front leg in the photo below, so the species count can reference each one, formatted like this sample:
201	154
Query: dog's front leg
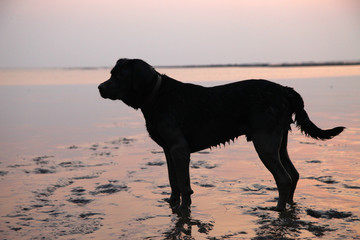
180	156
175	191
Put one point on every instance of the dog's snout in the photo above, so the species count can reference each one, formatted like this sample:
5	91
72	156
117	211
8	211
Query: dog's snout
101	87
102	90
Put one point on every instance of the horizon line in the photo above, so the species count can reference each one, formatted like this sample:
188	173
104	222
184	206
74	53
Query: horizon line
289	64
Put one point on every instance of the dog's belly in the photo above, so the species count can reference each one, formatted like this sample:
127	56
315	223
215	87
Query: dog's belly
213	133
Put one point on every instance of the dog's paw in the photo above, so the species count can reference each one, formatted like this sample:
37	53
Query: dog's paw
174	204
291	202
174	200
183	210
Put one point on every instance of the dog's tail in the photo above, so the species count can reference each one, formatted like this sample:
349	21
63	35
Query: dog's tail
304	123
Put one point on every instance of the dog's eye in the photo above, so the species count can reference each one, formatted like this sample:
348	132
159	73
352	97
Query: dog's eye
122	73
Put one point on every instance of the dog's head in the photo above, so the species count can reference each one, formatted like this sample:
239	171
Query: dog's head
131	81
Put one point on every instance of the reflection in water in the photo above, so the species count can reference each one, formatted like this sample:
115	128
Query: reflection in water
284	226
288	224
183	227
271	225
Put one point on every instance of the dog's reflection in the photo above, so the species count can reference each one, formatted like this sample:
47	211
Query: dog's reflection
286	225
185	225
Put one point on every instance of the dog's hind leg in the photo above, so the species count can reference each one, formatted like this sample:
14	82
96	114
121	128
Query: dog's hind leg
267	146
175	191
290	168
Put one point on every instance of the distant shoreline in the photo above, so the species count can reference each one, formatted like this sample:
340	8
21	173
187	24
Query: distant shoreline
235	65
303	64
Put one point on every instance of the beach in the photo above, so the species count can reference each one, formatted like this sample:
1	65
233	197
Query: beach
76	166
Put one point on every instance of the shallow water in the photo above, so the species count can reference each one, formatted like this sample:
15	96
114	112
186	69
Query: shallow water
75	166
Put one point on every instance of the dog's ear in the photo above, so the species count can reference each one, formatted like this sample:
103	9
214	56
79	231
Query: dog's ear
121	61
142	74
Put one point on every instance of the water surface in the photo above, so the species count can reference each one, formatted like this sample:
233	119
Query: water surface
76	166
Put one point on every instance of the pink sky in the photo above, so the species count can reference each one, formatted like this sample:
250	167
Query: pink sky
42	33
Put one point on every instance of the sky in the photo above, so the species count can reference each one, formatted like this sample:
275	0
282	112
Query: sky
89	33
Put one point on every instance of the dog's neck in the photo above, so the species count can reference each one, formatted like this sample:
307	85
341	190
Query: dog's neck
154	91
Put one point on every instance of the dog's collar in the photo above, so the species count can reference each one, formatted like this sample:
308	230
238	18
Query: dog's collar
154	91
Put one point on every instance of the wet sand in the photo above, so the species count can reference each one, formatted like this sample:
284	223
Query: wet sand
81	167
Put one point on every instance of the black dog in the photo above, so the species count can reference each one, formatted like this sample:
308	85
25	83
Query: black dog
184	118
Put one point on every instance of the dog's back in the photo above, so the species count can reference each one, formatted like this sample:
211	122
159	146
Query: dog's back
210	116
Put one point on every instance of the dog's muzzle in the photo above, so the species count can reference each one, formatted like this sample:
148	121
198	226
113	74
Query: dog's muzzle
103	90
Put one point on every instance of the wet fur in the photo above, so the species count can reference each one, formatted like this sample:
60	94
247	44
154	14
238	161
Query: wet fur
184	118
